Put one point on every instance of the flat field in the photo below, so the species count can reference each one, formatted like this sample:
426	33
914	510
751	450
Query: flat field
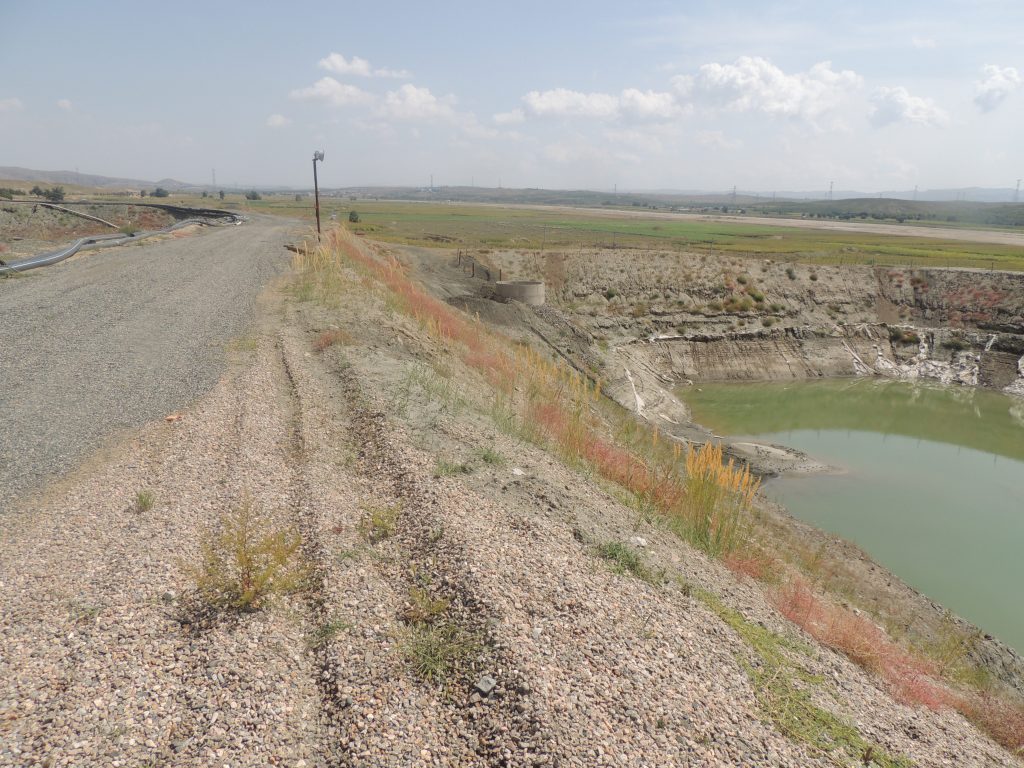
534	228
493	226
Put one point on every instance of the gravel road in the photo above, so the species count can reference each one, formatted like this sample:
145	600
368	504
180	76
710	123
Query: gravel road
110	340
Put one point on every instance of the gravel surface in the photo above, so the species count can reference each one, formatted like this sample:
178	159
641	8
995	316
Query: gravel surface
565	663
111	339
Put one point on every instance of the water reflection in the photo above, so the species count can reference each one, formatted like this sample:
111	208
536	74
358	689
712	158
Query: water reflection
933	481
974	418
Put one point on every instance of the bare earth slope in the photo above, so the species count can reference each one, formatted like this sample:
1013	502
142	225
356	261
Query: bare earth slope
493	544
110	340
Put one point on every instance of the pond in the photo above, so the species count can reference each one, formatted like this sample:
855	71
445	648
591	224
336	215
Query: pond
930	480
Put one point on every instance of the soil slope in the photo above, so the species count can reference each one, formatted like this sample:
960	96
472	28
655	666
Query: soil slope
427	527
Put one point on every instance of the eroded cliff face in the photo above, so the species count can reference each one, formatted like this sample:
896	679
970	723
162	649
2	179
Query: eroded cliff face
696	317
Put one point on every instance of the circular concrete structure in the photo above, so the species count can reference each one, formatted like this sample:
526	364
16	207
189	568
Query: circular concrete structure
527	291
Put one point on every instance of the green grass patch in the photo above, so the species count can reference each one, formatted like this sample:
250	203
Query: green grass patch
783	692
144	501
380	523
445	468
627	561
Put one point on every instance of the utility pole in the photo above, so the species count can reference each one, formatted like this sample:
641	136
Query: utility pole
1016	193
431	182
318	155
213	175
734	194
915	192
830	189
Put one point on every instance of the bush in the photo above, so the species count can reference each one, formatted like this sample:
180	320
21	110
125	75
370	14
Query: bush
353	216
247	561
252	194
791	273
160	192
54	194
956	344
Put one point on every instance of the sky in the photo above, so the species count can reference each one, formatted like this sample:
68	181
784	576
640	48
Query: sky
762	95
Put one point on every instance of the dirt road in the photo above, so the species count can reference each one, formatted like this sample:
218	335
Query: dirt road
112	339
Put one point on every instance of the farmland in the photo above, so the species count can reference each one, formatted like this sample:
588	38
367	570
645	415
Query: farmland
538	228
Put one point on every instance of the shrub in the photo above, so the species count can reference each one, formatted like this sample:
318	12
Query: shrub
716	498
353	216
956	344
252	194
54	194
791	273
814	276
160	192
248	560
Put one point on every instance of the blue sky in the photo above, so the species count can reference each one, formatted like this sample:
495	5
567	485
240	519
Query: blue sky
682	95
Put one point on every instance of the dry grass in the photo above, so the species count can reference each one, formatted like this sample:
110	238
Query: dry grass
331	337
703	499
247	560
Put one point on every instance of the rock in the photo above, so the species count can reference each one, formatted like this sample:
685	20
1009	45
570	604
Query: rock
638	541
485	685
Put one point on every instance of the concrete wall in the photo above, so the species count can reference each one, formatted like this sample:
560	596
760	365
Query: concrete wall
526	291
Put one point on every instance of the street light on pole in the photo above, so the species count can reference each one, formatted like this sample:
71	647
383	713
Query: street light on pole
317	155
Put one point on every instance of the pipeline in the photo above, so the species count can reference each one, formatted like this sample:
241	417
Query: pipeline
53	257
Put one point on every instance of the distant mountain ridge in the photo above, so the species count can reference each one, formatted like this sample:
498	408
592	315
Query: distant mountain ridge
592	196
14	173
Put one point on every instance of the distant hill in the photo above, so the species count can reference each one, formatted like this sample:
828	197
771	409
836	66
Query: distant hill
12	173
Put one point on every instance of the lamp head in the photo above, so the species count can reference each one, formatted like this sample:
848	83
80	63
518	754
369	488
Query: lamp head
318	155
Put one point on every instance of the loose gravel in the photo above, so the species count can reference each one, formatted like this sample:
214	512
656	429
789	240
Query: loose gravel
112	339
574	664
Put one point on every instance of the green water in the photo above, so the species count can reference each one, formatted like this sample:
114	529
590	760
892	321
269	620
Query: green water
932	482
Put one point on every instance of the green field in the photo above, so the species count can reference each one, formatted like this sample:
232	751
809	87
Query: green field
470	226
492	227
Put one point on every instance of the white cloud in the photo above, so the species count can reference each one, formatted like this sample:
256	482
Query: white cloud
717	140
631	103
338	64
562	101
648	104
278	121
64	104
509	118
996	84
330	91
922	43
10	105
412	103
754	84
894	105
